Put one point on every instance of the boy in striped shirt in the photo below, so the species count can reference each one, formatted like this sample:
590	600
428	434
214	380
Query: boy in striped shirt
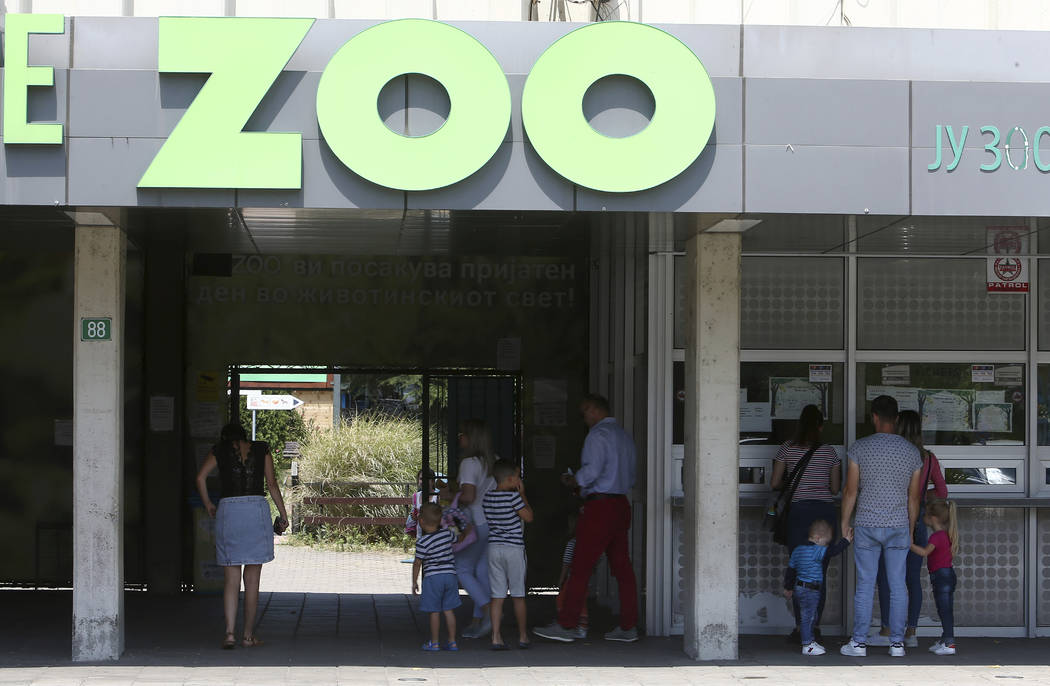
505	509
440	584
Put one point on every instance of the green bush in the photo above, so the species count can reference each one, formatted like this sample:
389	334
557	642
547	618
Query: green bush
373	455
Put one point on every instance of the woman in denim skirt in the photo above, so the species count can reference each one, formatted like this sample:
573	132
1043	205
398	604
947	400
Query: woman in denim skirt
243	532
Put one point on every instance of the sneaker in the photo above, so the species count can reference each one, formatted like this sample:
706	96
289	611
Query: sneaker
943	648
897	649
622	635
814	649
556	632
581	631
911	641
877	638
936	644
854	649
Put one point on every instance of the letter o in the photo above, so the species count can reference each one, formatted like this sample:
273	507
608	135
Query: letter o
348	114
552	107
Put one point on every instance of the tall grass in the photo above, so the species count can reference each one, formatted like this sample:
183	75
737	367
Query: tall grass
373	455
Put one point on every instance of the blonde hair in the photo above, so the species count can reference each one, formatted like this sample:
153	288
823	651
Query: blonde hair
944	511
479	443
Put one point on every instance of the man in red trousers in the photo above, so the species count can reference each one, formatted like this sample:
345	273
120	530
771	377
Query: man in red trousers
605	478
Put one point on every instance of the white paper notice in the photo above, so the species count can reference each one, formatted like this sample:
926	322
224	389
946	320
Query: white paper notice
1009	375
789	395
990	397
549	414
508	353
820	373
205	420
982	373
161	413
994	417
946	409
64	432
755	417
743	396
543	451
550	391
896	375
907	398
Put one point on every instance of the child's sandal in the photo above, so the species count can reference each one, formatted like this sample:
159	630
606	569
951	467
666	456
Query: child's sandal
431	646
451	645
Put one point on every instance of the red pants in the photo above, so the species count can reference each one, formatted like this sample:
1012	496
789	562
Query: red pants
602	528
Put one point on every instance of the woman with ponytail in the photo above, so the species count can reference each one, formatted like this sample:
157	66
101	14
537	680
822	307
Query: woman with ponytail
243	532
942	519
475	480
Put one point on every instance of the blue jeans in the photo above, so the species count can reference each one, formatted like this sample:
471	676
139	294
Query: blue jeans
869	544
472	568
943	582
807	600
802	514
912	577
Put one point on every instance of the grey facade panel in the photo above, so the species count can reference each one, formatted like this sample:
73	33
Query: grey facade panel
115	43
826	112
1003	105
33	175
969	191
128	103
106	171
826	52
514	178
826	179
50	49
711	184
48	105
326	183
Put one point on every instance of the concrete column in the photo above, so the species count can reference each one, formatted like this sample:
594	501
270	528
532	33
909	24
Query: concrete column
712	382
165	317
98	447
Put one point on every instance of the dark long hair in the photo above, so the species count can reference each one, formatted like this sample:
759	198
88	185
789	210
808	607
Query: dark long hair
808	430
231	433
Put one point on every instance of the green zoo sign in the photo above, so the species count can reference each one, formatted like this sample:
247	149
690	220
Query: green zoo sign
209	148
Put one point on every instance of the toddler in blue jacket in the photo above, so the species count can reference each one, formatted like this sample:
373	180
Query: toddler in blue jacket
805	577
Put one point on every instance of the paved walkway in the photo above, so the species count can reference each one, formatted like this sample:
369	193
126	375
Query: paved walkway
374	639
300	569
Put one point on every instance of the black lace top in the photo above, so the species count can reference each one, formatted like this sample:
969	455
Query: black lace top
238	478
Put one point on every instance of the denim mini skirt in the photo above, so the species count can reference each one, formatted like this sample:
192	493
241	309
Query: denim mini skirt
243	531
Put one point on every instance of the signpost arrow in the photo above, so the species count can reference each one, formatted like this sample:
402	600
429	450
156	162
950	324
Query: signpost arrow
273	402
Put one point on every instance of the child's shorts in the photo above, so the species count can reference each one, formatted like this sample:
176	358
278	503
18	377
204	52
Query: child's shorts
506	570
440	593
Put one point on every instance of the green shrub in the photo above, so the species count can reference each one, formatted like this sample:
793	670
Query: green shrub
373	455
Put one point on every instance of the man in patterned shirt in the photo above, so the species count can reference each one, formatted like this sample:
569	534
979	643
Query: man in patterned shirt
883	484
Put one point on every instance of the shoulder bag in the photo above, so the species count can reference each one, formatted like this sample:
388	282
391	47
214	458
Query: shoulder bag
779	505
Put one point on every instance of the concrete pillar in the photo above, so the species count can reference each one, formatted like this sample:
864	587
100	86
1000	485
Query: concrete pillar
98	445
712	382
165	318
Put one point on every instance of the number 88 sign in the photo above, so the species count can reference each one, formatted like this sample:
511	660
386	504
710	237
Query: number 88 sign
97	329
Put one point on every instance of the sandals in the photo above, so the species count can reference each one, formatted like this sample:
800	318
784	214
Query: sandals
431	646
251	642
229	642
498	646
451	645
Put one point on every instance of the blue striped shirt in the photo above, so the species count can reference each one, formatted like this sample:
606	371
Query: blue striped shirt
435	550
501	513
809	562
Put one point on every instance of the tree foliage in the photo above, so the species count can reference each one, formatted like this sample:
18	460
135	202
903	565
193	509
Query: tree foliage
276	427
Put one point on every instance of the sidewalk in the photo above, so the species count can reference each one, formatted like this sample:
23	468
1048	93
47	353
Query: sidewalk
374	639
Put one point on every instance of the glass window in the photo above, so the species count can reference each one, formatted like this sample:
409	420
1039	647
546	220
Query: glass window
1043	399
795	233
934	304
791	302
933	235
772	394
960	403
1043	290
980	476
